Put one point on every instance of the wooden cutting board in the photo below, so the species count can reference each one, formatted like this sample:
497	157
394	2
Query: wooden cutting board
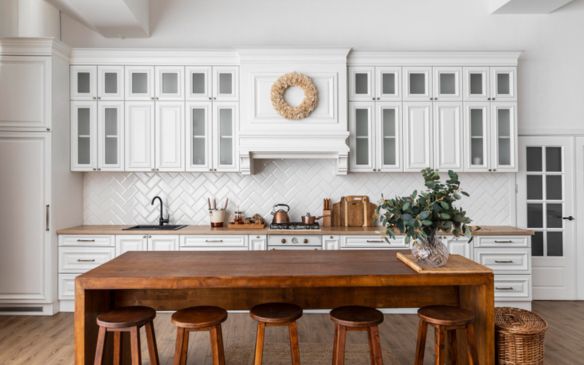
355	210
337	216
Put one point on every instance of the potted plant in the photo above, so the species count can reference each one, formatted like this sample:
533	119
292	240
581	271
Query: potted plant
423	216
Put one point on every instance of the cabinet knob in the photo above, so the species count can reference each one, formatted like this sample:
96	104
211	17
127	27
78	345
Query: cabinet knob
283	240
493	99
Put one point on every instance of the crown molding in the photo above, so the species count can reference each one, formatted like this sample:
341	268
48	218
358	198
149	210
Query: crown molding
34	47
434	58
151	56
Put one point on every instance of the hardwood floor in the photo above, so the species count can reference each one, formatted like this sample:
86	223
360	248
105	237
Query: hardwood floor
49	340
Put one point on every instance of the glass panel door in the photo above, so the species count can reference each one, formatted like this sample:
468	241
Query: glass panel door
389	136
139	83
83	85
110	84
225	83
110	131
198	83
417	83
225	116
361	84
503	83
169	83
503	117
388	81
447	83
476	84
476	129
361	146
83	133
198	136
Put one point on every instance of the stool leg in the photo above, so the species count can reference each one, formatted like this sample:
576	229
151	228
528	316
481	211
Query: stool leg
135	343
100	347
294	347
471	346
375	346
259	348
339	346
180	341
217	346
421	343
439	345
117	348
185	347
452	347
152	348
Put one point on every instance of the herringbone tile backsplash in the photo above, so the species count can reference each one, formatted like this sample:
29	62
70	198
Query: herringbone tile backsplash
124	198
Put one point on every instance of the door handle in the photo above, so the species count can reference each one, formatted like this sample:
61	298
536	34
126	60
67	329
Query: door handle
503	261
47	218
569	218
506	288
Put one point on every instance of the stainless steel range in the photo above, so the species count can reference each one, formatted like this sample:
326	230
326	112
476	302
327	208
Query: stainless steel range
301	237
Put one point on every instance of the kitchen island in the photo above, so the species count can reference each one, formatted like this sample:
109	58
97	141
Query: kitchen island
311	279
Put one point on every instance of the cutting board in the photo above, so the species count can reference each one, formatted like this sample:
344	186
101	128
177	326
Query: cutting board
355	210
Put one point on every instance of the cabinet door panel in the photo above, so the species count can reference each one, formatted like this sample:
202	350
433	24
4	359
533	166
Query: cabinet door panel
225	83
110	131
503	83
477	131
125	243
225	126
361	84
199	86
198	136
388	83
139	136
417	122
447	83
448	136
417	83
83	136
504	141
389	136
163	243
110	85
83	83
169	83
169	136
139	83
362	145
476	84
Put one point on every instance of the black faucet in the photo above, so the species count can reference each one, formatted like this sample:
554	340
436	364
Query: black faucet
162	220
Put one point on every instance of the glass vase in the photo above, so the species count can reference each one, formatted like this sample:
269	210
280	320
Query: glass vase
430	252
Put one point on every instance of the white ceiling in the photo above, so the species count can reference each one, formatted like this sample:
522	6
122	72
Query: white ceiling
526	6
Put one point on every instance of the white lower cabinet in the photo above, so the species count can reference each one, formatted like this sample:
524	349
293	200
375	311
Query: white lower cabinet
331	242
460	246
373	242
146	242
163	243
258	242
214	243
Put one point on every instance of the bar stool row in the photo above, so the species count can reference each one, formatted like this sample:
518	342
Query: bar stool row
445	319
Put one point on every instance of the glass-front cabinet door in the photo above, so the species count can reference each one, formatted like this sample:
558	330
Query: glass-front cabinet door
225	124
361	84
83	136
503	83
83	83
476	84
169	83
477	130
504	122
199	136
388	83
447	83
388	121
198	83
225	83
139	83
110	131
417	83
361	116
110	82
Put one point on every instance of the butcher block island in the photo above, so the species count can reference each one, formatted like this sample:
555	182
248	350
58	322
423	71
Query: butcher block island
311	279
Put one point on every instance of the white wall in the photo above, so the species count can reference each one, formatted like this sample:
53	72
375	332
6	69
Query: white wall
551	74
29	18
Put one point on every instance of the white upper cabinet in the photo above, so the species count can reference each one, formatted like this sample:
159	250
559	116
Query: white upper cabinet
83	83
504	123
417	83
503	83
110	82
169	136
139	82
389	142
199	86
198	136
361	115
477	131
476	84
448	136
417	124
139	136
83	136
225	127
225	83
388	83
110	132
361	84
447	83
374	83
169	83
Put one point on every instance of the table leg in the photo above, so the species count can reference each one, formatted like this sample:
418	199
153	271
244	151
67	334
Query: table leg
88	303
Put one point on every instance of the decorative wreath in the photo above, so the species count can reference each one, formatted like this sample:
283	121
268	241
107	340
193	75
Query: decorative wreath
307	105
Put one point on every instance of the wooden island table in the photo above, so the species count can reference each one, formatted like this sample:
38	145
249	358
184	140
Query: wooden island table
311	279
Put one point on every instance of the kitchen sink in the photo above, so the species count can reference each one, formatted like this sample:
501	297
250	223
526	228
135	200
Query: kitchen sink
155	227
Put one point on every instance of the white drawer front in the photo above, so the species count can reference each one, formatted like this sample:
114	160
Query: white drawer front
67	286
504	261
106	241
512	287
214	241
372	242
513	241
82	259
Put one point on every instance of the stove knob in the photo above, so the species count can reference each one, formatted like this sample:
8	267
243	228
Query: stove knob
294	240
306	240
283	240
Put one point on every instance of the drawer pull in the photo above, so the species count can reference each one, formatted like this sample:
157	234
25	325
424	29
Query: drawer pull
85	260
214	241
504	261
503	241
504	288
375	241
84	240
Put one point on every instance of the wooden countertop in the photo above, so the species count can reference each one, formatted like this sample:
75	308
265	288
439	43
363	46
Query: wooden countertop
206	230
268	269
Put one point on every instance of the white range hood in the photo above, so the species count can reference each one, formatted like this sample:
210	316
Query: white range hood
265	134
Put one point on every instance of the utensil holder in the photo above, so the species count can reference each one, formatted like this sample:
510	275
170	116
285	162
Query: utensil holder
327	218
217	217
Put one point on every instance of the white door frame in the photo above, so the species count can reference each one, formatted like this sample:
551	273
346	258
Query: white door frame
579	198
568	259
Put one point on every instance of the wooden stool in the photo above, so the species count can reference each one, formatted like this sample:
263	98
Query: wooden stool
128	319
204	318
276	314
356	318
446	320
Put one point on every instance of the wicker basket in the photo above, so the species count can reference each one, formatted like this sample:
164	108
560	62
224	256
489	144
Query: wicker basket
519	336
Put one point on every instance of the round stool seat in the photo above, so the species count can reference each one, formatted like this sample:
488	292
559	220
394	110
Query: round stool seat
126	317
444	315
199	317
276	313
356	316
